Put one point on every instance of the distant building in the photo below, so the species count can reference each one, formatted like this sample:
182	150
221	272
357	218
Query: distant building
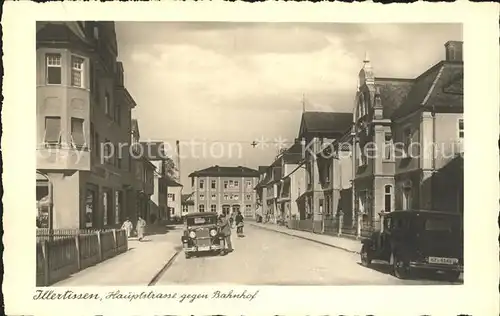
81	104
225	189
187	204
174	197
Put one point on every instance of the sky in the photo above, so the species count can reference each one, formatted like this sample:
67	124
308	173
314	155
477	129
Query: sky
224	84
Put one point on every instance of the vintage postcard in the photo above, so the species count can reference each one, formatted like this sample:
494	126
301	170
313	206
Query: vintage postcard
252	159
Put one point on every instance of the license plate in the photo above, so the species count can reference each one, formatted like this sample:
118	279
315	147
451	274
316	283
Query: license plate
204	248
439	260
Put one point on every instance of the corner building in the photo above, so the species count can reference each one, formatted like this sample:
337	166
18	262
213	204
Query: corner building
81	104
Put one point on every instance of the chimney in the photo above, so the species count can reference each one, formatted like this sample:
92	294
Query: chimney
453	50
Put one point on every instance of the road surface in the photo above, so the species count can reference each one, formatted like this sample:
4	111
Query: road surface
265	257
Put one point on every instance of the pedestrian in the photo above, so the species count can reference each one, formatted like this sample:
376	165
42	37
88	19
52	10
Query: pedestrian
239	224
141	226
128	226
225	230
231	220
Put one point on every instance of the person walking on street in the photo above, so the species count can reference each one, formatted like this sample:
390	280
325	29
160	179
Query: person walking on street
231	220
141	226
128	226
225	230
239	224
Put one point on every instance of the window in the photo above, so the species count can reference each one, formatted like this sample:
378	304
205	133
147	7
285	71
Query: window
118	114
201	208
90	205
105	208
226	183
226	209
388	198
231	184
76	71
388	147
107	152
407	197
96	32
171	197
249	184
214	197
184	208
363	201
107	104
460	128
213	208
119	163
77	134
214	184
52	130
202	196
202	184
249	197
407	139
236	184
54	69
118	205
226	196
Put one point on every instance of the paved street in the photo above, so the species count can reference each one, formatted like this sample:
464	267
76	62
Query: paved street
270	258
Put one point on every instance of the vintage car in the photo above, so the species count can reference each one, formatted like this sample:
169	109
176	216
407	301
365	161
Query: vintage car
417	239
201	234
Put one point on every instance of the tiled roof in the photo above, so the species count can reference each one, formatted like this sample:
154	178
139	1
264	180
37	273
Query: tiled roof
218	171
439	88
393	93
325	123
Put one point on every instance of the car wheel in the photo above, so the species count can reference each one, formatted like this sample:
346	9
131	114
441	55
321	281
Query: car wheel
188	256
452	276
365	257
399	267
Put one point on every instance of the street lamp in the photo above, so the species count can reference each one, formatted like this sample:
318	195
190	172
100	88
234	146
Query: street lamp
51	204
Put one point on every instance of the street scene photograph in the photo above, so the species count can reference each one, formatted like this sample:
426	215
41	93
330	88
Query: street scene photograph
199	153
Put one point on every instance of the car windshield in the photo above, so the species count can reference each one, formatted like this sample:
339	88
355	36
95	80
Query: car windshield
201	220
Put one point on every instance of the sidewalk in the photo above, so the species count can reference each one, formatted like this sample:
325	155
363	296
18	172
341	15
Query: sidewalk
138	266
347	244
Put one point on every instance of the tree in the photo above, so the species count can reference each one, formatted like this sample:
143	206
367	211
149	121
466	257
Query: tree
169	168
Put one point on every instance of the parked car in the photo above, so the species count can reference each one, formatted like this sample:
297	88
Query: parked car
418	239
201	234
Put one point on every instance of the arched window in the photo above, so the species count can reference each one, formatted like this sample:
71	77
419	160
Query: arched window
407	195
388	198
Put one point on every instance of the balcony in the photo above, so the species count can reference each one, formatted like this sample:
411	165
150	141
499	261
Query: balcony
62	157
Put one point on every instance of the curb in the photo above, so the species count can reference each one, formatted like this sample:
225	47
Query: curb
160	273
305	238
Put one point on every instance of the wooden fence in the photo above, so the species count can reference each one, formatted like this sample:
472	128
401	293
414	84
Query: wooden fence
73	250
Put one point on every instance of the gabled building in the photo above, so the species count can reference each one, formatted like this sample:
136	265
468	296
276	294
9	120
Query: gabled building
225	189
429	125
292	183
174	197
317	131
374	164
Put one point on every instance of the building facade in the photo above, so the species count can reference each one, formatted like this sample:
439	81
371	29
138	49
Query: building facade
82	104
318	130
225	190
430	127
174	198
187	204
